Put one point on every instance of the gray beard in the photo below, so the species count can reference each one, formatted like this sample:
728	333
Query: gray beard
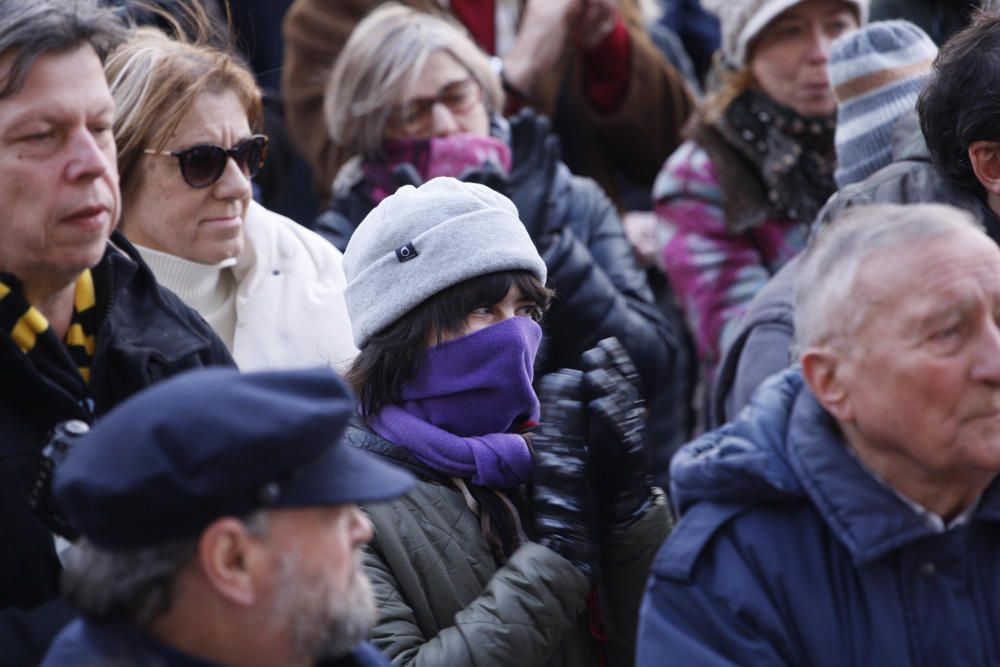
321	620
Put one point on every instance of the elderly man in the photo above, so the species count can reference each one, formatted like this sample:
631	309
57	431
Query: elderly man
220	527
82	322
851	516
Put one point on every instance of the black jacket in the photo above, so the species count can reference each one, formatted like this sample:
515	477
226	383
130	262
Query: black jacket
600	289
146	334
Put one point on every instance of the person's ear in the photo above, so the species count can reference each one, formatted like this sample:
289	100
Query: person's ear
228	556
985	159
823	370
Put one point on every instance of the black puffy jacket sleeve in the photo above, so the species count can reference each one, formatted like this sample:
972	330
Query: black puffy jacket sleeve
600	289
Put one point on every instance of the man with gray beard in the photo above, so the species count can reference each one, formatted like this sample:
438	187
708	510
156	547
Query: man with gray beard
220	526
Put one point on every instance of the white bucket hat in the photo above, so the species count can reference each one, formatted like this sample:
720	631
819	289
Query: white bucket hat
742	20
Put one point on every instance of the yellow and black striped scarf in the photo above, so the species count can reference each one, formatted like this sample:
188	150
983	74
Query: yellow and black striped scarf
31	332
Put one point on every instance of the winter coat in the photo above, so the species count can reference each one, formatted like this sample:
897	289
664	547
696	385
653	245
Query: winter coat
87	643
443	600
146	335
632	141
761	346
789	553
714	270
600	290
290	309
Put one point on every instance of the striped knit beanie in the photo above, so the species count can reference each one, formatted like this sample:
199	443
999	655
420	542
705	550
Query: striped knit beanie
877	73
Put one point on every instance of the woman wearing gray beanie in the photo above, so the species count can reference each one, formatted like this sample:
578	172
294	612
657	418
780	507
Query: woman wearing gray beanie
412	97
515	548
736	200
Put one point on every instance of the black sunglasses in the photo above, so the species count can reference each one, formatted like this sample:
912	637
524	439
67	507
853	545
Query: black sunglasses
203	165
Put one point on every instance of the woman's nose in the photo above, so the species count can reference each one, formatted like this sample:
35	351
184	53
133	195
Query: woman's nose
443	121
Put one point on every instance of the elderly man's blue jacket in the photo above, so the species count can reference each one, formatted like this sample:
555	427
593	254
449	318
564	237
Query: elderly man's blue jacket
789	553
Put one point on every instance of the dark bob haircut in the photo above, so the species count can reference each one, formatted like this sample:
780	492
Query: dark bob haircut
961	102
391	357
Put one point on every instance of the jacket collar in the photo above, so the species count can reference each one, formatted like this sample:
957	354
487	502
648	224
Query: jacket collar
138	306
866	516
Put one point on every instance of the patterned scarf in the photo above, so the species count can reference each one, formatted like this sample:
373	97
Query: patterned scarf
453	155
31	332
794	155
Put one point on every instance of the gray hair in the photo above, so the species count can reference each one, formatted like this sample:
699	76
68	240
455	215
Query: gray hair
830	265
32	28
133	585
379	66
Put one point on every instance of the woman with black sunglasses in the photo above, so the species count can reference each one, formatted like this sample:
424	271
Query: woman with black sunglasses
187	151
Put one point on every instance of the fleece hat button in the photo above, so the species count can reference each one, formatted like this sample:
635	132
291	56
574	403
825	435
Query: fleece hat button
406	252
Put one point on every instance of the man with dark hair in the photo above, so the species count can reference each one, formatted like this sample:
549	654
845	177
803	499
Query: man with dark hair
220	526
83	324
851	515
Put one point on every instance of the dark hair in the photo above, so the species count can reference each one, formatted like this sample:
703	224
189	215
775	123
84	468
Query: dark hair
36	27
391	357
960	103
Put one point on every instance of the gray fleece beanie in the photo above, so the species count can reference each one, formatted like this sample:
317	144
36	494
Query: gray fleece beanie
420	241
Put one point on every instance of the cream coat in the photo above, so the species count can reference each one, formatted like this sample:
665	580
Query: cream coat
290	309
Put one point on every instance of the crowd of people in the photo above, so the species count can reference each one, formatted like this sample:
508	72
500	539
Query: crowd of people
608	332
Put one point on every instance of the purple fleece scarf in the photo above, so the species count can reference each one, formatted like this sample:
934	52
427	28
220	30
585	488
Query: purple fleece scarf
456	413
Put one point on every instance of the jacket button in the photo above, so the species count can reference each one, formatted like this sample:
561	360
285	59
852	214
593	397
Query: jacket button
927	569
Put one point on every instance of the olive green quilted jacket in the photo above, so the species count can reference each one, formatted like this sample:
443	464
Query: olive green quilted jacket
443	601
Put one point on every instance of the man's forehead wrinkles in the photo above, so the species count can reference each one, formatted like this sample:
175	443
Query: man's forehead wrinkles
56	110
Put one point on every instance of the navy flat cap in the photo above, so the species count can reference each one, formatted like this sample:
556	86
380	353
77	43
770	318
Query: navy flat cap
216	442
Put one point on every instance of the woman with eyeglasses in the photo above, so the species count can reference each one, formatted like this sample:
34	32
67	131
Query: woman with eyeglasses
413	98
187	152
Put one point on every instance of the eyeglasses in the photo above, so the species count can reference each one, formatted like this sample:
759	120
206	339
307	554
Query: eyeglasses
203	165
415	117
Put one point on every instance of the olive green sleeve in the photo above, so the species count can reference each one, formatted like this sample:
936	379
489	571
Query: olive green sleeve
519	618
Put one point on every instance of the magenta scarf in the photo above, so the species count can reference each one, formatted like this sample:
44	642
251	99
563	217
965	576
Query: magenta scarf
438	156
457	414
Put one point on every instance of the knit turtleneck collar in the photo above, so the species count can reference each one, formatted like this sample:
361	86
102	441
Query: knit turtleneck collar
208	288
195	283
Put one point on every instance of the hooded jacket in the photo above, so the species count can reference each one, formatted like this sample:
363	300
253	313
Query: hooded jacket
790	553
